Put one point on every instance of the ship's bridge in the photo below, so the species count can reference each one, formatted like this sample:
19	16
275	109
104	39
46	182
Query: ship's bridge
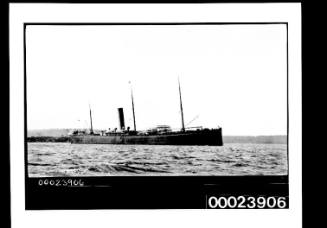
159	129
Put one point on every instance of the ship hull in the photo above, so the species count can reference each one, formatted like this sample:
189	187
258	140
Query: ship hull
203	137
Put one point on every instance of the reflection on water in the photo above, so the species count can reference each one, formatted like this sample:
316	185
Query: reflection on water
65	159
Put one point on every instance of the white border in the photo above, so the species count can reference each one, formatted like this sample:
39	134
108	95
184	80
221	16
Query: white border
267	12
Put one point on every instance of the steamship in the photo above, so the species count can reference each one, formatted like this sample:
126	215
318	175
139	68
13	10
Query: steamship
160	135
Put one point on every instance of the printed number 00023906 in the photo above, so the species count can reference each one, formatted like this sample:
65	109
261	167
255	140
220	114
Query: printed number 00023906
246	202
60	182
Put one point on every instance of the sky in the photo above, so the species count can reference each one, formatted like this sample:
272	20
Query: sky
233	76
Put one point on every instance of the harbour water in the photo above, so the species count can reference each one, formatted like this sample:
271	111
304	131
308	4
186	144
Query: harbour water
65	159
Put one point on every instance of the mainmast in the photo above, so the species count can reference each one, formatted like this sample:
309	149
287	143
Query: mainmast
91	130
181	105
133	107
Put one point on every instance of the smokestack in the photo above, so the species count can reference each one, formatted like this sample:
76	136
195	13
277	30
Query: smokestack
121	118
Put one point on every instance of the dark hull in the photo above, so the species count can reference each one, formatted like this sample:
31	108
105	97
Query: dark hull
202	137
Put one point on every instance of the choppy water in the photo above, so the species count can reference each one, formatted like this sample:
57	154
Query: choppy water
65	159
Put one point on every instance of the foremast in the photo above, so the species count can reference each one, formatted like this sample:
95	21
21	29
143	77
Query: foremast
181	106
91	129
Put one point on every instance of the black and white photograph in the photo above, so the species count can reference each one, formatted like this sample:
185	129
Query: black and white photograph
169	106
156	99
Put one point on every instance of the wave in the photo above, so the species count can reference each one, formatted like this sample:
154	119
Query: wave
40	164
181	157
123	168
240	164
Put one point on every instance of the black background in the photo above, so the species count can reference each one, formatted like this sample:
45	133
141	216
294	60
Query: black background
149	192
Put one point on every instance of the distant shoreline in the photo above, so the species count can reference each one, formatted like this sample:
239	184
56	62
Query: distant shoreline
48	139
271	139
